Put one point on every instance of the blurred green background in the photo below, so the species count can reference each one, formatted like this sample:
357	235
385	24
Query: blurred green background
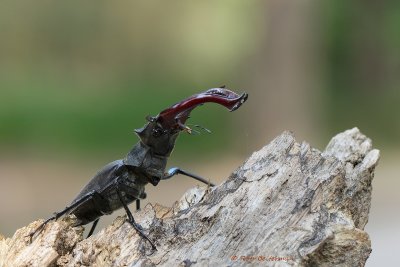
77	77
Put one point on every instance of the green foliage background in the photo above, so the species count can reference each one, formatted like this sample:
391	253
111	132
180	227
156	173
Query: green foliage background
78	77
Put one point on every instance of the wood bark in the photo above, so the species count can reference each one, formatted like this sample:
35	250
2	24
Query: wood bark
287	205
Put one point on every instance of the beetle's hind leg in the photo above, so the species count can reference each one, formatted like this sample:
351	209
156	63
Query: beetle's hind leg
40	228
63	212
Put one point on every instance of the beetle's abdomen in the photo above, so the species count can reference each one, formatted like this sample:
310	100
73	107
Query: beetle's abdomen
101	192
91	209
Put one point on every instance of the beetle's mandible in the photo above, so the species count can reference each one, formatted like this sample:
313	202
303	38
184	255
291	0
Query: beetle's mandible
123	181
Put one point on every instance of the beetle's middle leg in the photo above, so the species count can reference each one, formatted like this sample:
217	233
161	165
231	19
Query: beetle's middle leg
97	220
174	171
131	220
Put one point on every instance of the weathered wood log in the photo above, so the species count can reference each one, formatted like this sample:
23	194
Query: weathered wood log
288	204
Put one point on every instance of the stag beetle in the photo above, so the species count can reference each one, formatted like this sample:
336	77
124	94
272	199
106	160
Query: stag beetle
123	181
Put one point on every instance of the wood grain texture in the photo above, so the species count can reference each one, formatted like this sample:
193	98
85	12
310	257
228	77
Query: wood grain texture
287	205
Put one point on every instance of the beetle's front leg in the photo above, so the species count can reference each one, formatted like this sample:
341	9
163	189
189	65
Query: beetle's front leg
174	171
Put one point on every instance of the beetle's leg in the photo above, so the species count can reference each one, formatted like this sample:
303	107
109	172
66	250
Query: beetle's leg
40	228
174	171
93	227
137	204
64	211
131	220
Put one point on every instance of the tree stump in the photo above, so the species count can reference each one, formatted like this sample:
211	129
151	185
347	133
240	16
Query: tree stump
288	204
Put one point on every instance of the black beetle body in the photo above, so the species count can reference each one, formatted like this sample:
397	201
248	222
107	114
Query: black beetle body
123	181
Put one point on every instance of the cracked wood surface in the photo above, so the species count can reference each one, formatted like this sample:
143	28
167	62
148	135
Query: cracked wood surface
288	204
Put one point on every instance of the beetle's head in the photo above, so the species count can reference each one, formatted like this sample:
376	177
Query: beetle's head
162	130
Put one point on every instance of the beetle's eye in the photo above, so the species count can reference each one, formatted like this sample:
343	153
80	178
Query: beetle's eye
150	118
157	132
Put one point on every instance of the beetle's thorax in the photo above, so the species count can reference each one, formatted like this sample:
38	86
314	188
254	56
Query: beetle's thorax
142	157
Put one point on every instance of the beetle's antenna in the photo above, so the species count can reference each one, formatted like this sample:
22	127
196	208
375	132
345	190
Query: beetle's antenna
197	126
202	128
